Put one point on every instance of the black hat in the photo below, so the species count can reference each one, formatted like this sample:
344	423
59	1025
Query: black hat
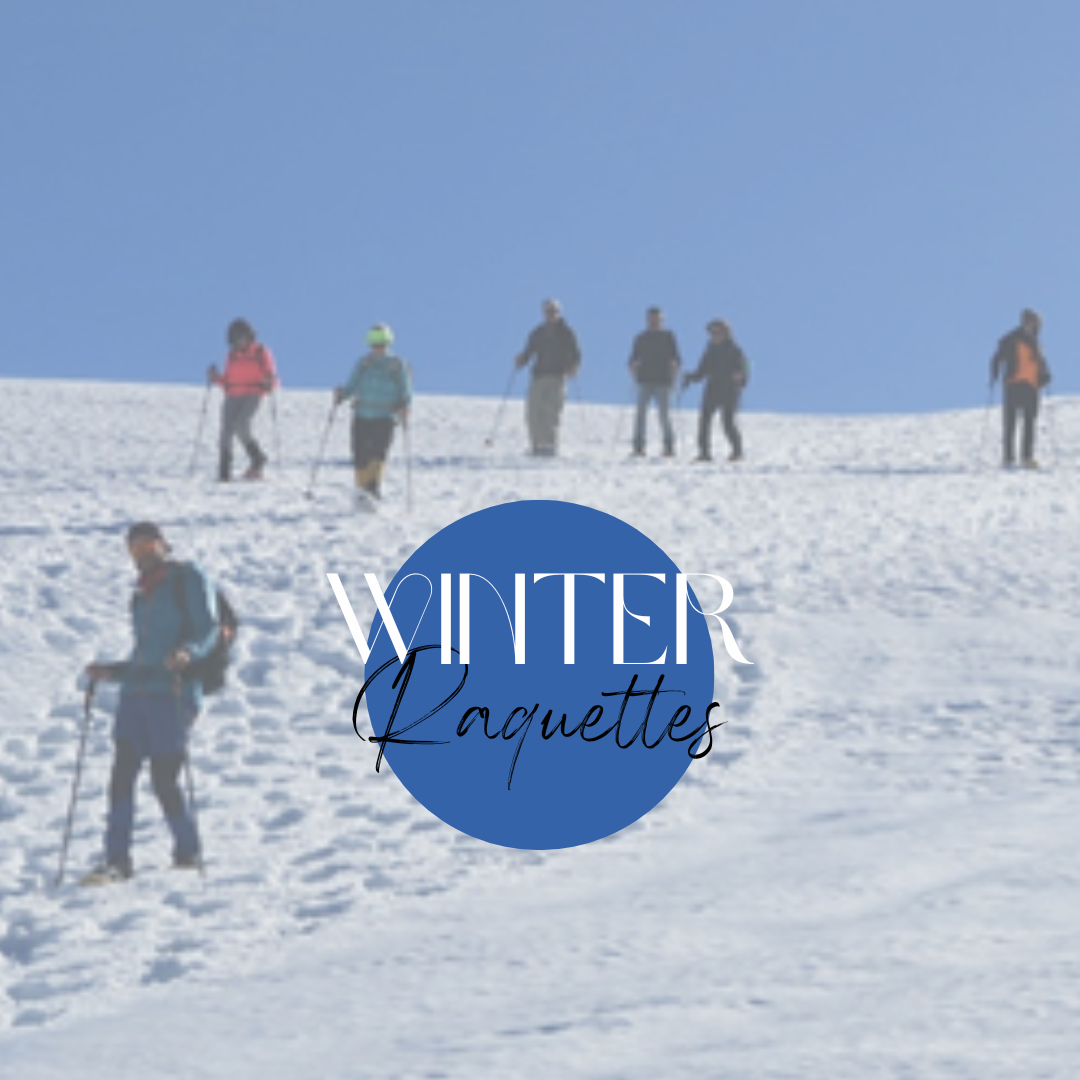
239	331
144	530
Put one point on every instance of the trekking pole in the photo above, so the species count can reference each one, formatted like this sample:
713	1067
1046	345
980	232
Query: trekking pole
678	424
87	702
322	449
189	778
490	440
1048	427
199	431
277	430
571	396
408	467
622	411
986	423
580	402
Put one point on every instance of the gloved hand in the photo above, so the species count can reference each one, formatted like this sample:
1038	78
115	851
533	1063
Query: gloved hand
177	660
100	672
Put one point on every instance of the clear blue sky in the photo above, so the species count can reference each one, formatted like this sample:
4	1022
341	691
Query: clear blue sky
869	192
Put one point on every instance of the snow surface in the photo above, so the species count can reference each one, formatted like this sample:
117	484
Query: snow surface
874	874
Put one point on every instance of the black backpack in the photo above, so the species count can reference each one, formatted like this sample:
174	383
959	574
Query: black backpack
210	670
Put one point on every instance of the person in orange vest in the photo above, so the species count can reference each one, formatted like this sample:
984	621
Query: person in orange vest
1024	372
248	377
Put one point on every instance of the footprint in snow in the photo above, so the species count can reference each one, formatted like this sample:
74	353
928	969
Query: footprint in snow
286	819
163	970
254	673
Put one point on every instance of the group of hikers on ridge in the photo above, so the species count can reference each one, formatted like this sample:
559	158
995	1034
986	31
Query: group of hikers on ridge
379	389
552	350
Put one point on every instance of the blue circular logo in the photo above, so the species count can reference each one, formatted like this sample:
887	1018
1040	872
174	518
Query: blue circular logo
557	675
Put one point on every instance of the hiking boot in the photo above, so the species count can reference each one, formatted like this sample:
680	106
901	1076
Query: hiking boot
106	873
187	862
702	457
375	485
734	457
1030	463
257	457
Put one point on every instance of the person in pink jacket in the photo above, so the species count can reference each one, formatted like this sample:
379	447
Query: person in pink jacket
248	377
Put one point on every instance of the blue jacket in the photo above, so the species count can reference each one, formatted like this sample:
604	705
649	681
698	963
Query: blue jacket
161	626
379	386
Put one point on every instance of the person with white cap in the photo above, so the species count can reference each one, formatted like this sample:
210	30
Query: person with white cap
553	351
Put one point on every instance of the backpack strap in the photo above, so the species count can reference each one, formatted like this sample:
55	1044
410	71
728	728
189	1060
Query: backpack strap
177	580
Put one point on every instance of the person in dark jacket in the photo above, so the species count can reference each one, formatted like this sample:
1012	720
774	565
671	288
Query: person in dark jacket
553	350
248	377
724	369
654	364
175	623
1024	372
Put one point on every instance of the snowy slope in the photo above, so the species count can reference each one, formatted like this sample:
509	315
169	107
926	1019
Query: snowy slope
874	874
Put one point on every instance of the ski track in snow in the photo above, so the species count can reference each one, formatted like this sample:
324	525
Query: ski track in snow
911	612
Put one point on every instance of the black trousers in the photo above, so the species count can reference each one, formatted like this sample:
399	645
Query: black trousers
726	405
370	439
1021	400
164	776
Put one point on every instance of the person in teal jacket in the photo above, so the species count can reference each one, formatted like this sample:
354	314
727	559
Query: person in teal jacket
175	621
380	391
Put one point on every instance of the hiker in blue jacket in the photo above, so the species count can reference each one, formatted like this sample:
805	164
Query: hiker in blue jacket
381	392
175	622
